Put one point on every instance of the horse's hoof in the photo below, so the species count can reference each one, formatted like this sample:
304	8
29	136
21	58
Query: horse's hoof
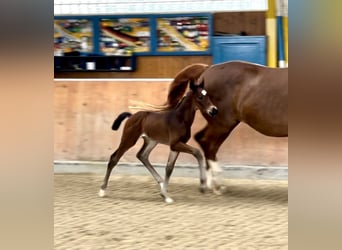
203	189
169	200
219	190
102	193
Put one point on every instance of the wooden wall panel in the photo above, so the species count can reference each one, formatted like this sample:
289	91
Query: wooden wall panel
253	23
84	112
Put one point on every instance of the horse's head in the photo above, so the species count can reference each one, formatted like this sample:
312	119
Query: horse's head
202	99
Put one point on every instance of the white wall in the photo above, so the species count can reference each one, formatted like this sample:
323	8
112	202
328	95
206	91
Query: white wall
97	7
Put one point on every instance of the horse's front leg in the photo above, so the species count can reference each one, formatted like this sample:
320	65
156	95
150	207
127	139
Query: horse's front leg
210	139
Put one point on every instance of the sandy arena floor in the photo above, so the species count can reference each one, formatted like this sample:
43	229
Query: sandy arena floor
251	214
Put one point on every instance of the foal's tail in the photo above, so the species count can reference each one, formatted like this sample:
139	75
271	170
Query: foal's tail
119	119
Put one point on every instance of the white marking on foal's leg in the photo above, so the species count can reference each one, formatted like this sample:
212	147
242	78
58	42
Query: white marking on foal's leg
167	198
209	178
102	193
203	177
217	176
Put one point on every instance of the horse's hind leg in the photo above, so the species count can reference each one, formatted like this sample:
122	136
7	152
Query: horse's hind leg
210	139
143	155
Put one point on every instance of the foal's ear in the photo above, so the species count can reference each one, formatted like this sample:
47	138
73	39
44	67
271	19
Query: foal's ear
192	84
201	85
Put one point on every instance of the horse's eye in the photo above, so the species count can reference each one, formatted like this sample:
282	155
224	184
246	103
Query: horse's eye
200	97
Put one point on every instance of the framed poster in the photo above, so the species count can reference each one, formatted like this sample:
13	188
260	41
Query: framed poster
73	35
169	34
186	33
124	36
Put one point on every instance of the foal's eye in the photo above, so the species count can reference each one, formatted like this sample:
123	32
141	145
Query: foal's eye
202	94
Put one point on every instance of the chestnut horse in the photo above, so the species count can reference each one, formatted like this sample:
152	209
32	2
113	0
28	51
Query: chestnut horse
242	92
171	125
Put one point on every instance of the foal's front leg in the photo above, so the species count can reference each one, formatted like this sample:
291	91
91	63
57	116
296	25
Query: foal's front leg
173	155
185	148
143	155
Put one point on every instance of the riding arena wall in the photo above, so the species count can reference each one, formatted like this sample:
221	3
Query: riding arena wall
85	109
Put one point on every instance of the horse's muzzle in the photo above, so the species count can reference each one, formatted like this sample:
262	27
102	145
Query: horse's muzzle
212	111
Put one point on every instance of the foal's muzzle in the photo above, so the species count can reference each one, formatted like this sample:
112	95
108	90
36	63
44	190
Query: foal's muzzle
212	111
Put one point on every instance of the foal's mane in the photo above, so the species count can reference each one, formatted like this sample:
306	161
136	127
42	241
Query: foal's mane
177	88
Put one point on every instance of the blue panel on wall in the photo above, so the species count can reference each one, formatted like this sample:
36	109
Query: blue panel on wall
245	48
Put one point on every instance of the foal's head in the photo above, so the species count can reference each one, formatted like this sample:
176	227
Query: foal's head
202	100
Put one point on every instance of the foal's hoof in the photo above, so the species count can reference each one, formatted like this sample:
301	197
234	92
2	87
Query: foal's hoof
169	200
102	193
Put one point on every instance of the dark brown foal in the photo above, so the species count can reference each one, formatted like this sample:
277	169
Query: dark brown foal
171	127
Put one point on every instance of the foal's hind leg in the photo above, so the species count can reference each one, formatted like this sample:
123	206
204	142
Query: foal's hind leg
143	155
128	140
114	158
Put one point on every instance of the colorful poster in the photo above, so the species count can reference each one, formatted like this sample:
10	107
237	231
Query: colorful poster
183	34
72	35
123	36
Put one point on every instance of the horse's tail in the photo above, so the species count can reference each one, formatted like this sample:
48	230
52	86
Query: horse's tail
117	122
180	83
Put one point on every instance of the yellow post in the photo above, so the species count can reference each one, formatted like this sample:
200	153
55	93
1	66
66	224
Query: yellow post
271	33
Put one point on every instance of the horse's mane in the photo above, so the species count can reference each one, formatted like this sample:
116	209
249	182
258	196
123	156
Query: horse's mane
177	88
180	83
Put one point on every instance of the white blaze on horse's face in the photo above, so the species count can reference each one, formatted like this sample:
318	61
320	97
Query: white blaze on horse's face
204	92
